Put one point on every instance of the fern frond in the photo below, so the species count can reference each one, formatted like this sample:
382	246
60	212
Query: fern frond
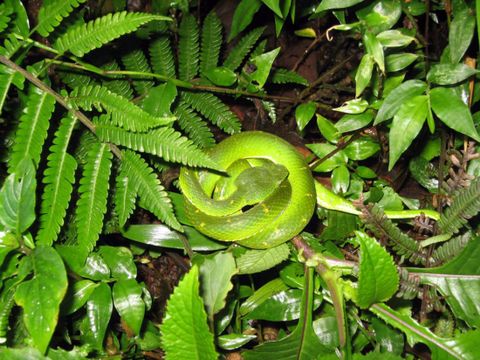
409	285
92	204
153	196
164	142
161	57
450	249
5	12
33	127
58	179
96	33
188	48
10	46
194	126
123	112
465	205
125	196
270	109
284	76
136	60
6	305
211	42
259	49
117	85
383	228
75	79
243	47
214	110
52	13
7	78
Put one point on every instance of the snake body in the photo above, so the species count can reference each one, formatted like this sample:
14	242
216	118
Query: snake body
271	210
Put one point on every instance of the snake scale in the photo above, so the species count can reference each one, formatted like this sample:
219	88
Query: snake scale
266	196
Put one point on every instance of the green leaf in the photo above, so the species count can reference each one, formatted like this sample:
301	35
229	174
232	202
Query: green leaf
327	129
161	57
188	48
262	294
159	99
41	296
362	148
58	179
340	180
25	353
242	49
406	125
135	60
321	150
274	5
449	74
52	13
284	76
355	106
32	128
120	261
254	261
193	125
304	113
302	343
117	84
336	4
402	94
221	76
5	12
389	340
152	194
7	78
211	42
243	16
460	33
352	122
452	111
8	242
92	204
77	295
394	38
378	277
263	64
364	74
397	62
127	298
216	272
82	39
374	48
99	310
381	15
125	196
184	330
234	341
17	198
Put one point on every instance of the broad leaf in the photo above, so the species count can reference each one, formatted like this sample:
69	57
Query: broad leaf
185	333
159	99
460	33
374	48
243	16
254	261
41	296
364	74
263	64
77	295
216	272
336	4
304	113
397	62
452	111
127	298
406	125
449	74
378	277
262	294
120	261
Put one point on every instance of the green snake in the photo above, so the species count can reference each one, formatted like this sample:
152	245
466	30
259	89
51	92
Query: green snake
266	197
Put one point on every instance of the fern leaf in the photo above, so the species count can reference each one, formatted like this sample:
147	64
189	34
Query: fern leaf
92	204
123	112
284	76
58	179
161	57
450	249
259	49
188	48
10	46
211	42
153	196
194	126
33	127
117	85
96	33
375	220
214	110
7	301
74	79
125	196
243	47
136	61
5	12
270	109
7	78
465	205
164	142
52	13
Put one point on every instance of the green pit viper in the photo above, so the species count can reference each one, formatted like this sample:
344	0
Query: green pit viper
268	196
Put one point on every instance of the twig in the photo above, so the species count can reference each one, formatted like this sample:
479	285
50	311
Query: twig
307	51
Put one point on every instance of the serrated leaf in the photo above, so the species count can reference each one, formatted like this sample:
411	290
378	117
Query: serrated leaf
136	60
41	296
92	204
406	125
58	179
254	261
402	94
82	39
185	333
378	277
449	74
216	272
460	34
52	13
8	78
33	127
188	48
284	76
452	111
125	196
211	42
116	84
17	198
152	194
243	16
193	125
242	48
161	57
127	298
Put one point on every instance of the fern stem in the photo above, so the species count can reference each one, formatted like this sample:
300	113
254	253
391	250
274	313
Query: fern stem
60	99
